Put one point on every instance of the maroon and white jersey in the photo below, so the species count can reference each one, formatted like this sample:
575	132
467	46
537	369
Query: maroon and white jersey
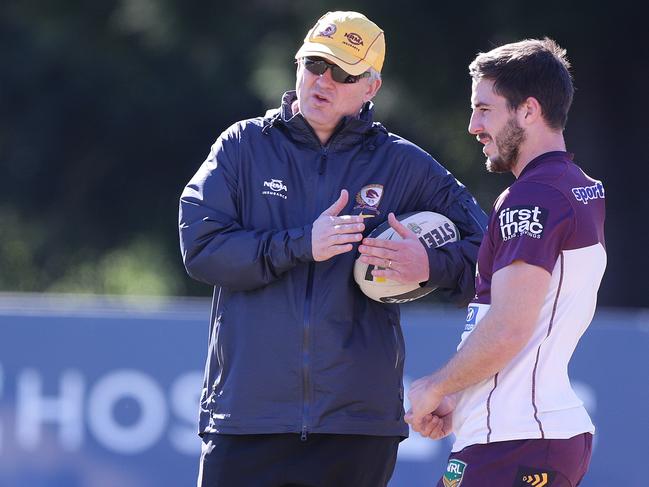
552	217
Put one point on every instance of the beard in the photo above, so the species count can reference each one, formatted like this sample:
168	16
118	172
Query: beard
508	142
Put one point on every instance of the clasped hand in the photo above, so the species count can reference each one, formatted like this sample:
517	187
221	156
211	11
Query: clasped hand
430	414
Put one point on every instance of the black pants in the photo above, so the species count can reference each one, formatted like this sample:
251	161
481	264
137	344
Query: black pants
277	460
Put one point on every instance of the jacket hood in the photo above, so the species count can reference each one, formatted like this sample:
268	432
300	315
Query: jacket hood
351	131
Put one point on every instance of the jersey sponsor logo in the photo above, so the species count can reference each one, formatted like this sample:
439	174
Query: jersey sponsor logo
276	188
369	197
519	221
454	473
471	315
534	477
586	193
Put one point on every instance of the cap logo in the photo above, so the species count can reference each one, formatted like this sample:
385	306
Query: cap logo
328	31
354	38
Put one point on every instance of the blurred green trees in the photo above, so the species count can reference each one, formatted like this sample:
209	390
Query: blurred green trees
108	108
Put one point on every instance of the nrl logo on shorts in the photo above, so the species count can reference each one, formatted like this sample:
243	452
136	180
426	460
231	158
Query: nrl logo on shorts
454	473
368	197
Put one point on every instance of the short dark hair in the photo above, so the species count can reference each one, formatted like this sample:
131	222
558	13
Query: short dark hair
533	67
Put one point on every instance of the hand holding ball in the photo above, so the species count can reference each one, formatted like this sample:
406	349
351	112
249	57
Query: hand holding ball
430	229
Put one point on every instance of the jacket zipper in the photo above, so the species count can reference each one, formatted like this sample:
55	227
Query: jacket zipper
306	383
306	358
322	166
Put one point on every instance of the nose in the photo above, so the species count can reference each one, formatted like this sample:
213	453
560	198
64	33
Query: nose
325	78
475	127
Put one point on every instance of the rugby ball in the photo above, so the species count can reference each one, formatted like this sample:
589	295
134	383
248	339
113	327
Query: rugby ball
432	229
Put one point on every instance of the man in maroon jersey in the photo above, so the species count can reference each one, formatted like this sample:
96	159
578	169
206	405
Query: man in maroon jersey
506	393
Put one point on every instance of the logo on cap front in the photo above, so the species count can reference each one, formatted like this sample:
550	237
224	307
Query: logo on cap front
328	31
354	38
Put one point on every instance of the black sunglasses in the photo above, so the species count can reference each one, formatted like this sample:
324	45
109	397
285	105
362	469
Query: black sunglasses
319	66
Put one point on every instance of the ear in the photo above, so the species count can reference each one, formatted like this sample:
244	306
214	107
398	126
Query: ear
372	89
530	111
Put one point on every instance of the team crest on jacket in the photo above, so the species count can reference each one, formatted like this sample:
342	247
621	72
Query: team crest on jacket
368	197
454	473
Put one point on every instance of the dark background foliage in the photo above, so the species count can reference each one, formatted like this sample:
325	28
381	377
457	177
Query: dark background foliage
108	108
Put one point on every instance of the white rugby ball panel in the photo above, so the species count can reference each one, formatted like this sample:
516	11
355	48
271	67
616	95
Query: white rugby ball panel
433	230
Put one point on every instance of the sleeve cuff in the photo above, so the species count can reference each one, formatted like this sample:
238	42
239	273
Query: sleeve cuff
301	243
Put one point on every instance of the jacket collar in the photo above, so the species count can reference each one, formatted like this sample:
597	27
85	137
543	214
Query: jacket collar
351	131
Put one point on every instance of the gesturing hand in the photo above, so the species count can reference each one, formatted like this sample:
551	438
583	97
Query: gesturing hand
332	234
400	260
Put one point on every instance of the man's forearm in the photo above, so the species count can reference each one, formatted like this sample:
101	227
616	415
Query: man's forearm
518	292
489	348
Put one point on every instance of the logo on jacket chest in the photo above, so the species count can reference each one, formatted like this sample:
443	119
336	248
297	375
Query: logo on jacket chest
369	197
275	188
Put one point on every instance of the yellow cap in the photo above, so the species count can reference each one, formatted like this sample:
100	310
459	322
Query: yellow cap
348	39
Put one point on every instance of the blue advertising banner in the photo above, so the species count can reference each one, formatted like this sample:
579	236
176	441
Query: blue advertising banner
100	392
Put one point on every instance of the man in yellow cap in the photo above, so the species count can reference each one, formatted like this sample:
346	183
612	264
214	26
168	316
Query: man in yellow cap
353	48
303	380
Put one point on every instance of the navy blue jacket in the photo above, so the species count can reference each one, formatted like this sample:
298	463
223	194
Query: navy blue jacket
294	345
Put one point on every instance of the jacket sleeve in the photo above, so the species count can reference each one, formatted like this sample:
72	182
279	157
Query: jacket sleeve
452	267
215	247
